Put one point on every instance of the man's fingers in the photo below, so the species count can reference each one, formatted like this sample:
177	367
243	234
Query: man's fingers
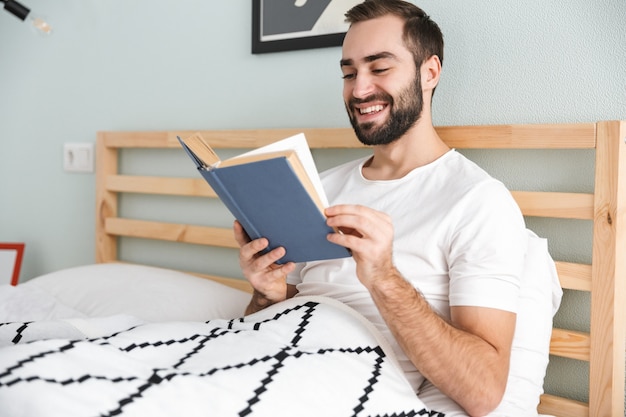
241	236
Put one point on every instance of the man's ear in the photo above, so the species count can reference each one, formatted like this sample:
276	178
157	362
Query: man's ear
430	71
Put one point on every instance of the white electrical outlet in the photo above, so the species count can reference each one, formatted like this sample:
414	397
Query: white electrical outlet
78	157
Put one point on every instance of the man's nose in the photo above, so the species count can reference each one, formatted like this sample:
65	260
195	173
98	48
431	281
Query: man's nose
363	86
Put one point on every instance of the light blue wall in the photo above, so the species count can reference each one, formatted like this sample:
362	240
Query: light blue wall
156	64
159	64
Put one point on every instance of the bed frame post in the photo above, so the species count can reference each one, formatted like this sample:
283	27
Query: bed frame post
608	310
106	201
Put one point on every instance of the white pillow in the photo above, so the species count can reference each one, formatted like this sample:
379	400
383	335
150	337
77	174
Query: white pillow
149	293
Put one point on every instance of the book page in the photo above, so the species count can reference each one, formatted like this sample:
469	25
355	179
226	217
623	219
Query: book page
299	144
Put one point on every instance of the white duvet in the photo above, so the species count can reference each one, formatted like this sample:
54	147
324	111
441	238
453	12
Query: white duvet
303	357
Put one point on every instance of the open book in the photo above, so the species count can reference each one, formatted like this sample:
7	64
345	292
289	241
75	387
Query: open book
274	192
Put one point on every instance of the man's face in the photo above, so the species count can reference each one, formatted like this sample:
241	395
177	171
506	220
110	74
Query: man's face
382	89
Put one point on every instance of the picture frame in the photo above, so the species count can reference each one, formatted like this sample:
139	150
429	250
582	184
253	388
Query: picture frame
11	255
287	25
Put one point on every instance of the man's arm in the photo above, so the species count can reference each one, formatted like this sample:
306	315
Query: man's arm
466	358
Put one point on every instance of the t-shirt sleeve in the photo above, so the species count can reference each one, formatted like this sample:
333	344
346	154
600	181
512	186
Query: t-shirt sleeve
295	277
487	249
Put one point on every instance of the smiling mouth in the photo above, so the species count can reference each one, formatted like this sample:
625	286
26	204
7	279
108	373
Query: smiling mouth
371	109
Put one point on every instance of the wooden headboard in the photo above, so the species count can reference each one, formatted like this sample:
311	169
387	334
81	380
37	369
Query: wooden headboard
603	347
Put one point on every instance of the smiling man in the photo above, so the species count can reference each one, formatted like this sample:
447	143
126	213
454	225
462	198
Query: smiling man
438	245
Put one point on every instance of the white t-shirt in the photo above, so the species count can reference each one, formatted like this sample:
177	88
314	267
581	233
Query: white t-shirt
459	238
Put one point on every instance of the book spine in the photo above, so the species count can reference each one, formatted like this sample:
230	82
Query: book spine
212	176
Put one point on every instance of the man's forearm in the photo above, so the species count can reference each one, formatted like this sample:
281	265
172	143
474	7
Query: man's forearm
462	365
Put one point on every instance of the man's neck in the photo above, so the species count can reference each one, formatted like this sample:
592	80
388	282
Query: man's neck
418	147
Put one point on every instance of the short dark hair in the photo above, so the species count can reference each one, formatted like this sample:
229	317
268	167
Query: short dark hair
421	35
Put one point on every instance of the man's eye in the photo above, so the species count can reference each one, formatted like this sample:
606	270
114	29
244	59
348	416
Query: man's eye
348	76
380	70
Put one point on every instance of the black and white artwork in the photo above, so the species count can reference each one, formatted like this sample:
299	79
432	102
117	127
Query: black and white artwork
283	25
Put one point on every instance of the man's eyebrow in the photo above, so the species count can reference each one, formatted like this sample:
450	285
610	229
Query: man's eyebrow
345	62
369	58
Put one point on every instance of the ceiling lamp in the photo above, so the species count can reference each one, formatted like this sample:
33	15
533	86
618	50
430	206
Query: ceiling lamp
22	12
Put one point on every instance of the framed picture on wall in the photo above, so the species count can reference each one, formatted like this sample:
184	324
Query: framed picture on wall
11	255
286	25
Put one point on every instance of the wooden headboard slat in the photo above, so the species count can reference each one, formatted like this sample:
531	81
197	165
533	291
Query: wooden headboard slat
193	187
120	140
106	201
570	344
608	284
532	203
558	205
320	138
234	139
201	235
574	276
538	136
559	406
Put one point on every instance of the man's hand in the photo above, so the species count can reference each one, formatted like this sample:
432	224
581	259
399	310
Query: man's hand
268	279
369	235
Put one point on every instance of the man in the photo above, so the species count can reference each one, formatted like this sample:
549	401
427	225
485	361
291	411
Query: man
438	246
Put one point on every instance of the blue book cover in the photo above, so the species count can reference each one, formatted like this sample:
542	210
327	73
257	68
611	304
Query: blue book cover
269	199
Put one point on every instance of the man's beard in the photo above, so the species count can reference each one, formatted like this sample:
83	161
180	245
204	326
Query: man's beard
405	112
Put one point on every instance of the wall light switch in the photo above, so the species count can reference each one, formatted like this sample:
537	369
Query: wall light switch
78	157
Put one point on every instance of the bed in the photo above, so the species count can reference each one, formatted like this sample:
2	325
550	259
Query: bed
141	298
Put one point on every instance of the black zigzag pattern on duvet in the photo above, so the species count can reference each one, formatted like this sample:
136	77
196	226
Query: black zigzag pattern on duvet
281	356
19	331
68	381
421	413
197	342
